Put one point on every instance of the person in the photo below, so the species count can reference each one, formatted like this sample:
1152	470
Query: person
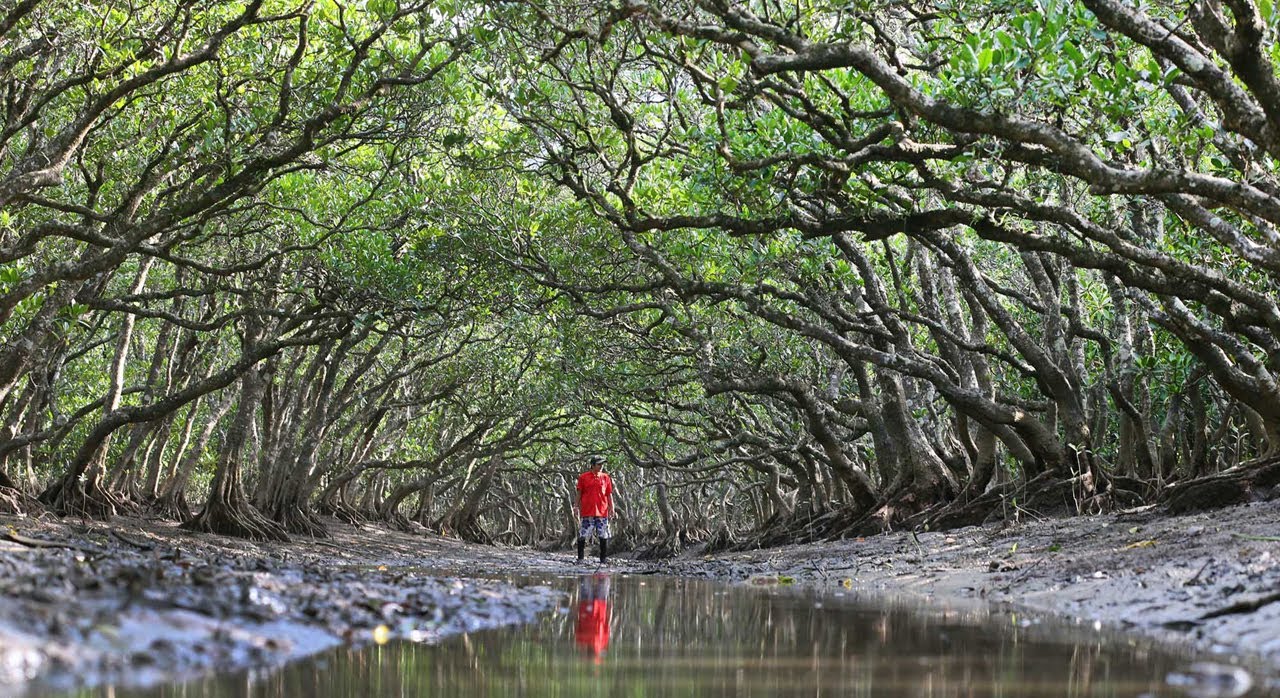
591	632
595	506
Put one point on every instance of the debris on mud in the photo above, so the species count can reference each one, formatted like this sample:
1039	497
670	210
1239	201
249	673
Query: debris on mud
137	603
1209	580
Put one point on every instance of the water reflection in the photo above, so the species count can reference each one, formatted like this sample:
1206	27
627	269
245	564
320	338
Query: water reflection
638	636
591	628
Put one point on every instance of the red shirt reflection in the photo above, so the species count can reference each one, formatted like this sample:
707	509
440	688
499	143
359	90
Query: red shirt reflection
591	631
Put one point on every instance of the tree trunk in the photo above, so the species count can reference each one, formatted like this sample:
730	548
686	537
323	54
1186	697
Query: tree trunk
923	480
464	517
227	511
172	502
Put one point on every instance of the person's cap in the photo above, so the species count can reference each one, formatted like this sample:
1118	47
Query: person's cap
596	460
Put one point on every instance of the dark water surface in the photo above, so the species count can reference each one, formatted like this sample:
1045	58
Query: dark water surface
650	636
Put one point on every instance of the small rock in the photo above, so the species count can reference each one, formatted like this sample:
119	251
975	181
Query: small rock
1210	680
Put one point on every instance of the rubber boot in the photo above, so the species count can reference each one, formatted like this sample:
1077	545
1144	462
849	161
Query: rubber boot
604	549
582	547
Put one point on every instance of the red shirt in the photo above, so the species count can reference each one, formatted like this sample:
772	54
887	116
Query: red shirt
595	492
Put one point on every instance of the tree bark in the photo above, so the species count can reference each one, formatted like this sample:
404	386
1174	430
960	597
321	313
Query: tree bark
227	511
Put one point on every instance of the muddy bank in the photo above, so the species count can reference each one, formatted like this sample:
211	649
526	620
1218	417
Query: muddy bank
136	602
1209	581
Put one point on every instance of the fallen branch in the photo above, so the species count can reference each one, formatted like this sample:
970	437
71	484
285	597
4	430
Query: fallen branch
1196	576
1248	606
15	537
141	545
1265	539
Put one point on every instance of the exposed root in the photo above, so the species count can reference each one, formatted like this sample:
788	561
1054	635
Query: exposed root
798	527
1251	482
472	532
1045	495
342	512
562	541
15	501
86	500
400	522
721	538
662	548
969	510
899	509
237	520
912	509
299	521
665	544
171	506
128	505
622	543
20	539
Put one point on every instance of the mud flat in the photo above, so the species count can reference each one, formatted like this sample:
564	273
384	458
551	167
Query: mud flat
1208	581
136	603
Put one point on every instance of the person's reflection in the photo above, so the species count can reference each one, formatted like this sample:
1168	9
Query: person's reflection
592	630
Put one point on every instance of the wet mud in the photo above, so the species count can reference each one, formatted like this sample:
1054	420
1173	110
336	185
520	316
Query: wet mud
1208	581
136	603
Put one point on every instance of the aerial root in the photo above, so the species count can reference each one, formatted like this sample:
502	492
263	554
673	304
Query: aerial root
236	520
1253	481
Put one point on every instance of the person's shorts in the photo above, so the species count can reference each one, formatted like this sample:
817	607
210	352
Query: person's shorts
599	524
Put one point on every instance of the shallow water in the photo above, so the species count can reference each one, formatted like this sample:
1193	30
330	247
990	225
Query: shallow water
650	636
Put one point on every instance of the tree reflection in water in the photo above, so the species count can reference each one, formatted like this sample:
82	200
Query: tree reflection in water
679	637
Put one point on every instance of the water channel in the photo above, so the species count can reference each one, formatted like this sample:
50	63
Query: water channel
619	635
